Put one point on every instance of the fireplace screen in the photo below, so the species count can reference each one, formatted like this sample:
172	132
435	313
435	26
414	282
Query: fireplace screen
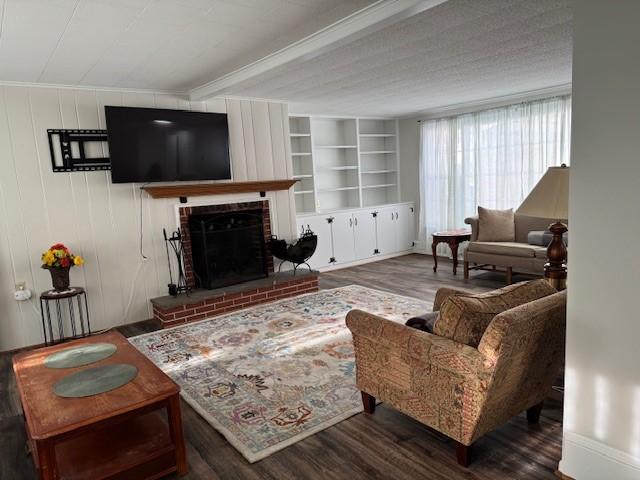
227	248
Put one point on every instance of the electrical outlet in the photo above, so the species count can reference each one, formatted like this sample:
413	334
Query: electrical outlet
21	293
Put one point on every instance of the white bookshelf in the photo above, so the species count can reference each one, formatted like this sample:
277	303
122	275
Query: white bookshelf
378	141
343	163
302	159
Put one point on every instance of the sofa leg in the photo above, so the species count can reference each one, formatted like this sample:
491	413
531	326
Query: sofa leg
368	402
466	270
509	275
463	454
533	413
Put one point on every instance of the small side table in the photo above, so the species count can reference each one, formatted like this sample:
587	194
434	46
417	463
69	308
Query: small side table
453	238
61	300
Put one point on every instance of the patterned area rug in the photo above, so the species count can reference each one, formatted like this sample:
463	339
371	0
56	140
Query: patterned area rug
269	376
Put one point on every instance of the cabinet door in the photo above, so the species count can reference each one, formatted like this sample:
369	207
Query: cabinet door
364	234
405	224
320	227
386	230
343	248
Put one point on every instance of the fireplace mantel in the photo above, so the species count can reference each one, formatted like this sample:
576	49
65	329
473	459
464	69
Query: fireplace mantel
199	189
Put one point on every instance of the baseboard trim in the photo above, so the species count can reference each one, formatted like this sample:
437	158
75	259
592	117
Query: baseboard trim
355	263
586	459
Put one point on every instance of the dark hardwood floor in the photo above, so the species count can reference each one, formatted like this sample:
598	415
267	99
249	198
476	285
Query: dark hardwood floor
387	445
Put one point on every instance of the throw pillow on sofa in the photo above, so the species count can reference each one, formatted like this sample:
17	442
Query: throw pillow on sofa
496	225
423	322
464	318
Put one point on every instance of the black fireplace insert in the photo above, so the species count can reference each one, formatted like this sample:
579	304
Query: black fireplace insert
228	248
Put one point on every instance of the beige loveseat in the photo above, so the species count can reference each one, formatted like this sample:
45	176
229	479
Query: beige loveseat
517	256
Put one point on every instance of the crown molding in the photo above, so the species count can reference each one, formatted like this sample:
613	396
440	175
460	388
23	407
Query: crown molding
362	22
487	103
94	88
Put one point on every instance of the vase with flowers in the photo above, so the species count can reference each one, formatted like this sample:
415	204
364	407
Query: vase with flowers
59	260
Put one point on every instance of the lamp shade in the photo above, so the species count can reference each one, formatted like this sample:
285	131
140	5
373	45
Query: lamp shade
550	197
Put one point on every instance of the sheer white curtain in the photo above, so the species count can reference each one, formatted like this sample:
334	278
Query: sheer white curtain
491	158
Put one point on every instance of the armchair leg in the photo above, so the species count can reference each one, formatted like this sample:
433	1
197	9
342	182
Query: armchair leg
463	454
509	275
466	270
533	413
368	402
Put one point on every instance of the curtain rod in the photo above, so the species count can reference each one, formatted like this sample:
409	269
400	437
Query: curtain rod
498	102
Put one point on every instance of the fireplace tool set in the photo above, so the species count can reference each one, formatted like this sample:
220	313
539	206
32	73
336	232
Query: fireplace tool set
174	242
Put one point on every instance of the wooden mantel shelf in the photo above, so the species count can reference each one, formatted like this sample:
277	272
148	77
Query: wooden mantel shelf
199	189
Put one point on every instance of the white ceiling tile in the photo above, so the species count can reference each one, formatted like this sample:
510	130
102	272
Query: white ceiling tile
461	50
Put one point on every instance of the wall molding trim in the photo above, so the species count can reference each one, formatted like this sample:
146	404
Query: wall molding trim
587	459
177	93
377	15
488	103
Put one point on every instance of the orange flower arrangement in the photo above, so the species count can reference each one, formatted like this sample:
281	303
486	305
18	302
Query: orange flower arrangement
59	256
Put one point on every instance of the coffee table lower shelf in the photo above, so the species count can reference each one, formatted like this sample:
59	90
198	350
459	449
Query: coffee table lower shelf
140	448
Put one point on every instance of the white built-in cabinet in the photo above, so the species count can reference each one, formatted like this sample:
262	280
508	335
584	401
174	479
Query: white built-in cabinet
348	190
360	234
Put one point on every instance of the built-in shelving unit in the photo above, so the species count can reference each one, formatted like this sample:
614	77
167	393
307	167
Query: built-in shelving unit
378	161
302	158
343	163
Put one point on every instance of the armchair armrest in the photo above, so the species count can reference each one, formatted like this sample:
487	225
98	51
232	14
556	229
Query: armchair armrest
418	346
443	293
474	222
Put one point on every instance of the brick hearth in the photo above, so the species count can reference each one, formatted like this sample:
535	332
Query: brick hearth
171	311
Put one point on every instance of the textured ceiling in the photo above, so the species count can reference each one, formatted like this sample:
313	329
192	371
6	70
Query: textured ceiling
460	51
151	44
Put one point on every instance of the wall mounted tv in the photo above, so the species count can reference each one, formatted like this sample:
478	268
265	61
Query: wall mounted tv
159	145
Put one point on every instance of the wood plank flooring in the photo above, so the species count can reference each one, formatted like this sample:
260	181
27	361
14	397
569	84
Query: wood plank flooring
387	445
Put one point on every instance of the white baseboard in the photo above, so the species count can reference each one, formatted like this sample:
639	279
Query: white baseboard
586	459
377	258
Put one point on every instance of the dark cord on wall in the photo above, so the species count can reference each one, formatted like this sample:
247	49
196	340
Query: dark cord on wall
142	222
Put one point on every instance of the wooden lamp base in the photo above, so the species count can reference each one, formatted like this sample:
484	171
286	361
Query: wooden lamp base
555	270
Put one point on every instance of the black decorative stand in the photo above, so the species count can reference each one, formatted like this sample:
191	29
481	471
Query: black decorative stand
59	299
175	243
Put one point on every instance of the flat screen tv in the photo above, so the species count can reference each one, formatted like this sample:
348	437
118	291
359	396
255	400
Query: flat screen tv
158	145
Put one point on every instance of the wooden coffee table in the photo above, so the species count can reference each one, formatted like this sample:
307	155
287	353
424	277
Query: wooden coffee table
453	238
120	434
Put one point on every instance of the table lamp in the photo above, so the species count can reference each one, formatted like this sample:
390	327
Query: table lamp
550	199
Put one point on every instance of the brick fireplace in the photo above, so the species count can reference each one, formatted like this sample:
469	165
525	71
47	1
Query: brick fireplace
208	299
188	213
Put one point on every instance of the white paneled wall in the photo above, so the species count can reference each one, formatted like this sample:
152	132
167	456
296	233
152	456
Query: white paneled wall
101	220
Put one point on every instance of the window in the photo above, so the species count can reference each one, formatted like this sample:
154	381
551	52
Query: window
491	158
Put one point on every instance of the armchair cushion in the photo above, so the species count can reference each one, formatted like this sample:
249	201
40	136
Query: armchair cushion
464	318
496	225
512	249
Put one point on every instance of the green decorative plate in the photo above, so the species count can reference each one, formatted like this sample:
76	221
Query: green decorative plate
95	380
79	356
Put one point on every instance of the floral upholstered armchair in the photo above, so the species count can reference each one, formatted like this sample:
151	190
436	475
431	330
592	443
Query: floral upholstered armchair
465	390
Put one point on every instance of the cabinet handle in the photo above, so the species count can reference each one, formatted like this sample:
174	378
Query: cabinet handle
355	221
396	215
350	222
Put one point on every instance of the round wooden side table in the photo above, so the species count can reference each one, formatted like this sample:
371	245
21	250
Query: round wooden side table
60	300
453	238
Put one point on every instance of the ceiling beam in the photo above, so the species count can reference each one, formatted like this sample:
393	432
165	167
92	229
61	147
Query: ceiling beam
377	15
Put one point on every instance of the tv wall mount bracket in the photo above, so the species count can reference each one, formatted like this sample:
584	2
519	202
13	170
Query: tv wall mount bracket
69	150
